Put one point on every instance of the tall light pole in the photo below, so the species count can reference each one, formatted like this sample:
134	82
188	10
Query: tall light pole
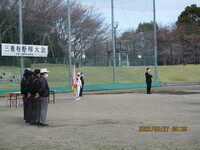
115	32
69	44
113	42
21	36
155	41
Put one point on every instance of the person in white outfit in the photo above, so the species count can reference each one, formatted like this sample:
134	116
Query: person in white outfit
78	85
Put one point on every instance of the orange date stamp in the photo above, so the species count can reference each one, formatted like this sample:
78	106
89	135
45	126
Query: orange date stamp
163	128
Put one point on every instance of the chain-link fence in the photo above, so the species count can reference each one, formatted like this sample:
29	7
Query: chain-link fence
133	55
132	59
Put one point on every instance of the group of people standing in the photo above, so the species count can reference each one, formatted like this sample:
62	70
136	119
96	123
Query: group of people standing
35	93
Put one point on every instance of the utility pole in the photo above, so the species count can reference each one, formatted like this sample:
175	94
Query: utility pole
113	42
94	47
69	44
21	36
155	42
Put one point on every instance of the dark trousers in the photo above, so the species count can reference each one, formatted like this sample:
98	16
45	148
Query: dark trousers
81	91
27	110
24	107
148	87
34	110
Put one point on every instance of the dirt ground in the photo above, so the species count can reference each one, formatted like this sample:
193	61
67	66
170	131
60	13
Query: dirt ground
108	122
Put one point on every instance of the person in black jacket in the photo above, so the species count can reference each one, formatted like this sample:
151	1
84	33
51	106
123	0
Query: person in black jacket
148	76
43	99
25	88
24	95
34	91
82	81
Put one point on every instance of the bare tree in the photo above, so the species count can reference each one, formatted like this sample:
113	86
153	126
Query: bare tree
45	22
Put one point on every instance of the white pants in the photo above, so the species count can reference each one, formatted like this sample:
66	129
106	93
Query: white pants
78	91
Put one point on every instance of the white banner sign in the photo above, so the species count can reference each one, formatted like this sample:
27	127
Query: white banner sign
23	50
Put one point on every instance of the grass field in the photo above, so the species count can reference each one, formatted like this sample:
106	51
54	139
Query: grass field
59	75
179	73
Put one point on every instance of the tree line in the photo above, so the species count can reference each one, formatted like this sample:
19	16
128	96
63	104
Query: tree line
45	23
178	43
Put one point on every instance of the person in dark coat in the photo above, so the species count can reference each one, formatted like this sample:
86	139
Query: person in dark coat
148	76
43	99
35	97
82	81
24	95
25	88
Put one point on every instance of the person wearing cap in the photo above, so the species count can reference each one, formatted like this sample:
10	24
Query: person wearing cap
82	82
43	99
25	88
78	85
22	85
35	97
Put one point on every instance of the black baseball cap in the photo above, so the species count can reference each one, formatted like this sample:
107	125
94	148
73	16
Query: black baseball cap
36	71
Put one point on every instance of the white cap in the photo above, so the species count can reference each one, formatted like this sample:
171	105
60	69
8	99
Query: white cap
78	73
43	70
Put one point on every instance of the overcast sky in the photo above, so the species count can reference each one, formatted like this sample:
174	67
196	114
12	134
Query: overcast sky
129	13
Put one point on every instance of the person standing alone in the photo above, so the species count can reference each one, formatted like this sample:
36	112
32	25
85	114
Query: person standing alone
148	76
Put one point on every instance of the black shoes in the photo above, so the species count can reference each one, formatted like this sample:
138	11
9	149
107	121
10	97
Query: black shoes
39	124
42	124
33	123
